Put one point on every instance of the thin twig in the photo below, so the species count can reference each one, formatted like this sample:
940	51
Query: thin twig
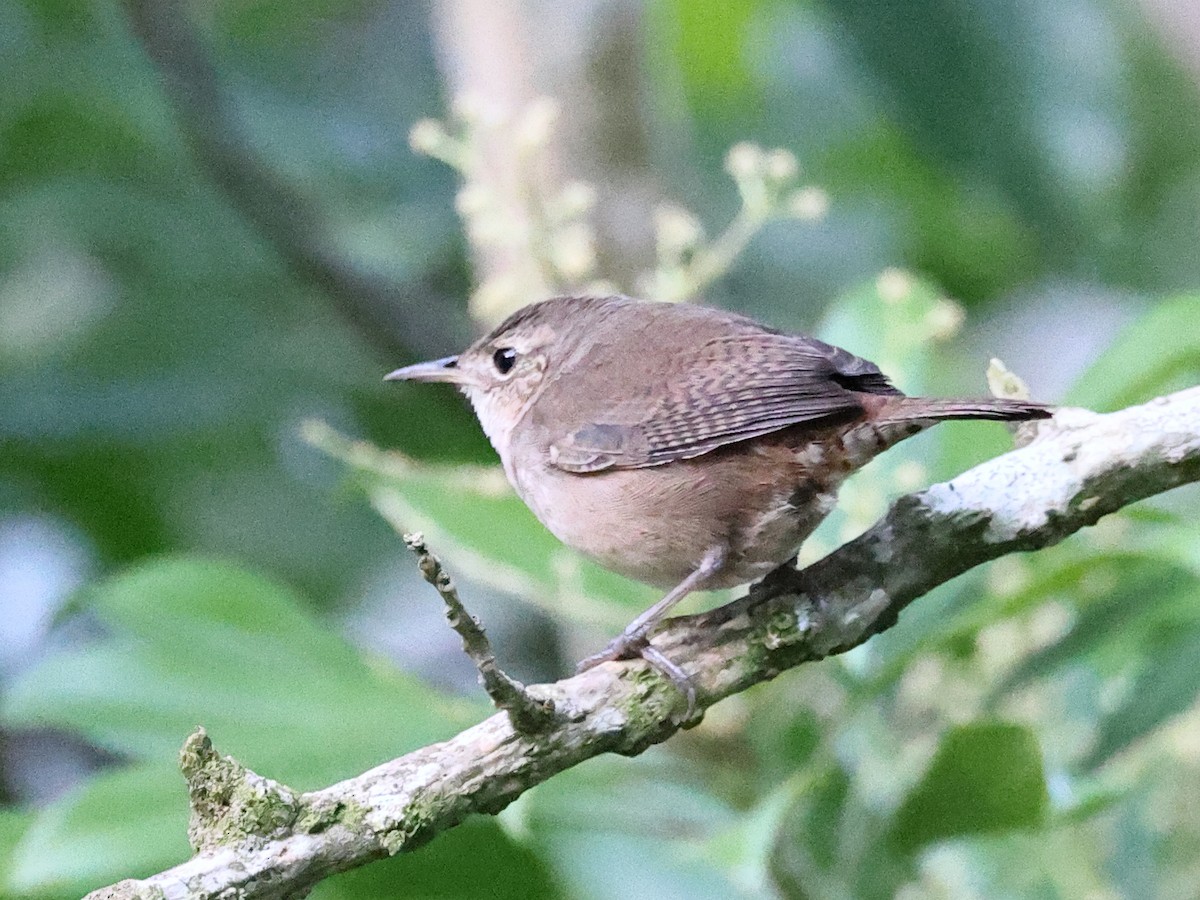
529	714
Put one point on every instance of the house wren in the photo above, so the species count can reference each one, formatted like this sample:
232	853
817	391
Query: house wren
682	446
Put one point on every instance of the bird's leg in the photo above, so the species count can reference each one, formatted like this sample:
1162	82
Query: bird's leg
632	641
679	678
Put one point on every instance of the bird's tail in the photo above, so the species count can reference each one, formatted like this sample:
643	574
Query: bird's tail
909	409
891	419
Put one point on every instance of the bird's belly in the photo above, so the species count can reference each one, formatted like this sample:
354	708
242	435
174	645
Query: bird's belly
771	538
656	524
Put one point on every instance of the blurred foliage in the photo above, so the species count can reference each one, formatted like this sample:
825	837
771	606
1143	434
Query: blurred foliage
196	261
1160	352
984	777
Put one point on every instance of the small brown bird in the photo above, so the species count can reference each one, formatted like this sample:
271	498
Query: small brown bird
679	445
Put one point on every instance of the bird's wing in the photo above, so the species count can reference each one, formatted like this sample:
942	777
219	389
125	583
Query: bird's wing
731	388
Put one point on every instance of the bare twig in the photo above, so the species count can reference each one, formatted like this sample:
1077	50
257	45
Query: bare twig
1082	467
529	714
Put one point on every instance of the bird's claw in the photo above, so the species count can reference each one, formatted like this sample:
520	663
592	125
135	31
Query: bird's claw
624	646
634	644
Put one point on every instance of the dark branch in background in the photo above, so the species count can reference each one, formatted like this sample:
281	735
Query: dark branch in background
257	839
529	714
5	794
399	320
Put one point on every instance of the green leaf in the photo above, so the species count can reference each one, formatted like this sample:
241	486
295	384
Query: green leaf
1158	534
188	642
1167	685
1061	863
622	828
1159	353
704	42
127	823
897	321
1147	599
193	642
979	90
784	736
13	825
472	518
985	777
477	859
746	849
831	843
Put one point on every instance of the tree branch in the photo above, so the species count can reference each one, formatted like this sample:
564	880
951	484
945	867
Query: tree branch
261	840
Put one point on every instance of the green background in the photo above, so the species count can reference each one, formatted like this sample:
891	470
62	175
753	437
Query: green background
212	230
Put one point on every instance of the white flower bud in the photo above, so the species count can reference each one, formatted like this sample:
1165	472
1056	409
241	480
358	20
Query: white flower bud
744	160
576	198
781	165
573	251
536	123
893	285
809	204
471	200
676	229
1003	382
495	298
473	109
945	319
428	137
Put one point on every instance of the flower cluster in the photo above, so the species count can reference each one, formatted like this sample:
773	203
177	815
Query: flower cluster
532	237
768	183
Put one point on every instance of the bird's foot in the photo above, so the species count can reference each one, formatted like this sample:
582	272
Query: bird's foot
629	645
626	645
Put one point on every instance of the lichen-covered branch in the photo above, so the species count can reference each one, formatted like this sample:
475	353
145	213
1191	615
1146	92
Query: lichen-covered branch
261	840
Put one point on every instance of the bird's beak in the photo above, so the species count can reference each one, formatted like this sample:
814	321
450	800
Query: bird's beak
444	369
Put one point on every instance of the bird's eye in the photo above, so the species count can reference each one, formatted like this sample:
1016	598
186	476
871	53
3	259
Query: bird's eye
504	359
